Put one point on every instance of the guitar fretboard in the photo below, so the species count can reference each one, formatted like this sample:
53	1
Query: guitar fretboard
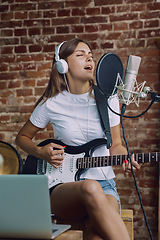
89	162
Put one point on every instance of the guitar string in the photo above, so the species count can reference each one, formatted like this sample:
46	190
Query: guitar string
71	102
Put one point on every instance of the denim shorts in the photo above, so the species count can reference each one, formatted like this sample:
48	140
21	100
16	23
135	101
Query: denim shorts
109	187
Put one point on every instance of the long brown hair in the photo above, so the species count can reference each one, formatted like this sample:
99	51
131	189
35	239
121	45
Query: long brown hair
56	83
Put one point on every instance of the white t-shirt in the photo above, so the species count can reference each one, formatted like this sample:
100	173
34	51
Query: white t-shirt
75	120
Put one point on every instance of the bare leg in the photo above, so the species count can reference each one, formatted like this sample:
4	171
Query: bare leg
78	200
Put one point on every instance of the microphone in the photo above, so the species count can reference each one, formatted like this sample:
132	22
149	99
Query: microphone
109	77
130	78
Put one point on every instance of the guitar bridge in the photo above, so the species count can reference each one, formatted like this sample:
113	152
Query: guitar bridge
41	167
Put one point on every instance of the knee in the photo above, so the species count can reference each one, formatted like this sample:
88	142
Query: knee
91	189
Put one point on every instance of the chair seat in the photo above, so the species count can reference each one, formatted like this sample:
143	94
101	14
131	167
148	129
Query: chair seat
126	214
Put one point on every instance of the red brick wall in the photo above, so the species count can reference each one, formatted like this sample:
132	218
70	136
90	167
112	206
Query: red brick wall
29	32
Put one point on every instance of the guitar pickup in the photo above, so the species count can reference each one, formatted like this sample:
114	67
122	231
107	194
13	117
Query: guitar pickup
41	167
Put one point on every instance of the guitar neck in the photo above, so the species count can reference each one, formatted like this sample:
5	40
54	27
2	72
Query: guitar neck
103	161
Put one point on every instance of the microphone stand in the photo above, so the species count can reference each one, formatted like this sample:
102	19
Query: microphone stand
123	108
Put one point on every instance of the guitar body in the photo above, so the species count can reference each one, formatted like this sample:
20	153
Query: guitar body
68	171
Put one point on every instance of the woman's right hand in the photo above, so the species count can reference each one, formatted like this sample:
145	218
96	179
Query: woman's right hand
53	154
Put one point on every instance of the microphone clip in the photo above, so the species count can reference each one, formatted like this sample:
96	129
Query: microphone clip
154	96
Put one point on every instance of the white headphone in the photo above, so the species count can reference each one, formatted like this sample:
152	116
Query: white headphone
61	64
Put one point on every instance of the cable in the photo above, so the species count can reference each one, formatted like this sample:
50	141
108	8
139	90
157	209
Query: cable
135	181
132	116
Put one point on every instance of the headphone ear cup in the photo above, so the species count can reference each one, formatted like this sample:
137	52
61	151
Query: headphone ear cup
62	66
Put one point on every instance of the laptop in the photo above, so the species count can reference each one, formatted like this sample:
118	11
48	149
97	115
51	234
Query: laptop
25	208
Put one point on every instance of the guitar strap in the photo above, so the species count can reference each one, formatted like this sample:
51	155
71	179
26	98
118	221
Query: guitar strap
101	102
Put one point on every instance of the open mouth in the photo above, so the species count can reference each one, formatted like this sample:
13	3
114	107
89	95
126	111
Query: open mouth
88	67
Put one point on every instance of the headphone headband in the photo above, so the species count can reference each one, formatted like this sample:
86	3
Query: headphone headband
57	51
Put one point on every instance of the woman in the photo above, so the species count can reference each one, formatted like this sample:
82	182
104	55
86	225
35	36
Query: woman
69	105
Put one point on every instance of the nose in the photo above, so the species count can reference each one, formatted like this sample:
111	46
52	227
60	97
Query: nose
89	58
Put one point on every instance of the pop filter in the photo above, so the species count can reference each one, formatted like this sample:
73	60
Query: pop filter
107	71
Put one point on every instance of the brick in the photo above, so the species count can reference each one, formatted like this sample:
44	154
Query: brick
34	31
107	45
153	6
76	3
6	50
29	82
24	92
30	99
105	26
124	17
15	67
39	91
138	43
7	16
48	31
20	32
77	29
4	8
136	25
21	1
78	12
6	33
26	109
35	48
123	8
29	66
31	74
6	93
93	11
17	119
4	119
44	65
7	58
3	85
49	48
138	7
103	2
20	49
120	26
149	15
48	5
9	41
49	14
34	23
42	82
3	67
24	58
42	135
91	28
151	24
37	57
26	40
35	14
62	30
8	76
23	7
21	15
63	13
61	21
14	84
108	10
96	19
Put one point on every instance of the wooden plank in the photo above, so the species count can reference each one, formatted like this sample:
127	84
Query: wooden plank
70	235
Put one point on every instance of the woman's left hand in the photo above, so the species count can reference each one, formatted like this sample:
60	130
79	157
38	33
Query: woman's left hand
127	165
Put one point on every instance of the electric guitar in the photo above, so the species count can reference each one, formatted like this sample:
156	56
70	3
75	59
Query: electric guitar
76	160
